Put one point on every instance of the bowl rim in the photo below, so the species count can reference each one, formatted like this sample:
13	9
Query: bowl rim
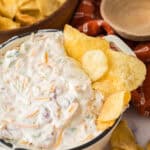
37	23
80	147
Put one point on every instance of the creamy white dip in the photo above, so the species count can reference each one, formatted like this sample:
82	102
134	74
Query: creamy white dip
46	99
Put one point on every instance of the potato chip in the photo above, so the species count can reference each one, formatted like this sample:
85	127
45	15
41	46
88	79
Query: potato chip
77	43
28	5
22	2
103	125
128	70
122	138
127	98
106	87
47	7
25	19
126	73
61	1
8	8
31	8
6	23
94	63
113	106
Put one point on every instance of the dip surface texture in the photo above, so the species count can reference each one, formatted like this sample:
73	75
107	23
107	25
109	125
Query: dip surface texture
46	99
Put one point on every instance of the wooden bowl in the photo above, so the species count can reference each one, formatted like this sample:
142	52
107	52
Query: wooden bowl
54	21
129	18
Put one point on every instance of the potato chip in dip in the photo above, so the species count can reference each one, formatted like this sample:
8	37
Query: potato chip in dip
46	99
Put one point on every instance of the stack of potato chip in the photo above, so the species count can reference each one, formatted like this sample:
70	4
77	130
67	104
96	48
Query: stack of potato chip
17	13
113	73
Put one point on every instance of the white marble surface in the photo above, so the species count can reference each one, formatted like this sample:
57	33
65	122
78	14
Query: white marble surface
139	125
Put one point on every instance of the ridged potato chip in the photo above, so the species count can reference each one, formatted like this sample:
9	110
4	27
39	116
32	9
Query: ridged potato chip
106	87
126	73
8	8
25	5
28	12
47	7
113	106
123	139
94	62
25	19
104	125
123	73
6	23
77	43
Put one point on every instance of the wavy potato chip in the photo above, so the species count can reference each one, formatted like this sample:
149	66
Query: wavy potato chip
77	43
104	125
25	19
28	5
28	12
8	8
94	62
47	7
22	2
122	138
106	87
126	73
6	23
113	106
